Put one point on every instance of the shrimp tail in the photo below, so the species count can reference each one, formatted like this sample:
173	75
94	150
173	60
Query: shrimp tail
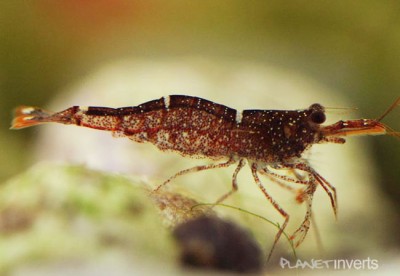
27	116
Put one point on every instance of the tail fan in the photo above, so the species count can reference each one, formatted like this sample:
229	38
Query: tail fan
26	116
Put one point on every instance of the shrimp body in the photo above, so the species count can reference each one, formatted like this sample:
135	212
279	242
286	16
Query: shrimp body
269	140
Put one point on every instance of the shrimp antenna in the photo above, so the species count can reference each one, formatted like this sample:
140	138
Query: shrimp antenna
393	106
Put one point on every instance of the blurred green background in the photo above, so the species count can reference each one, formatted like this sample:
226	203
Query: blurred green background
351	46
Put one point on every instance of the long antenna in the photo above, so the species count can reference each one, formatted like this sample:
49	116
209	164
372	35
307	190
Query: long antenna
393	106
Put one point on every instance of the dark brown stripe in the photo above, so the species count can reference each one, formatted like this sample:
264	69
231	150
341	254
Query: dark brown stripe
176	101
101	111
153	105
263	116
220	111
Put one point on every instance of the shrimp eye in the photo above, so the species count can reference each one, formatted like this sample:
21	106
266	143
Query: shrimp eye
318	117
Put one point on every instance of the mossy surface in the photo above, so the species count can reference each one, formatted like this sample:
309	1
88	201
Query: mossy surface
54	213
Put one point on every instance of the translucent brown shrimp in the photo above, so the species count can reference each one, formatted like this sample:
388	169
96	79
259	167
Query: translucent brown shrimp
269	140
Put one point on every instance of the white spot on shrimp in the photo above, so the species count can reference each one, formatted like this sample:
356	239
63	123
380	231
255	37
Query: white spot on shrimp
27	110
83	108
239	116
167	101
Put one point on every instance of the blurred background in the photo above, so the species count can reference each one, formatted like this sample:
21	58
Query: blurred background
55	53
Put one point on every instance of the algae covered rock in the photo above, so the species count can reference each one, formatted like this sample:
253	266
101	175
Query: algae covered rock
75	217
